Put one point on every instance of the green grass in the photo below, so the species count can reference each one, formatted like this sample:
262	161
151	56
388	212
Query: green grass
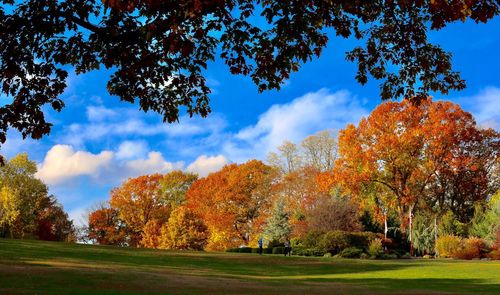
34	267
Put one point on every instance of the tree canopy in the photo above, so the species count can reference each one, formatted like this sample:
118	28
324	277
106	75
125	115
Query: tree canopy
158	50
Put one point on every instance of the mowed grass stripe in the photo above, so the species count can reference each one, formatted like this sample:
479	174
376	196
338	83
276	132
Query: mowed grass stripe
28	267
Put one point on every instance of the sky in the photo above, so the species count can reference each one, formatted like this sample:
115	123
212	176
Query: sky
97	141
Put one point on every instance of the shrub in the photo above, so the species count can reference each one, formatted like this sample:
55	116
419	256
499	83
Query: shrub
472	248
364	256
388	256
311	239
375	248
361	239
351	252
245	250
495	254
256	250
447	246
301	251
333	242
278	250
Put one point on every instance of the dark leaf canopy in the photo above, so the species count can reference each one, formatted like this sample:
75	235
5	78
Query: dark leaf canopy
159	49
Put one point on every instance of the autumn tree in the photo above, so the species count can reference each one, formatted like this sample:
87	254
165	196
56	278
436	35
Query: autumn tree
159	50
184	231
26	208
9	209
139	200
174	186
105	227
402	151
232	202
151	234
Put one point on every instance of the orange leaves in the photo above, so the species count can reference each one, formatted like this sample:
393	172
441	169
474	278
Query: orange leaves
403	154
232	201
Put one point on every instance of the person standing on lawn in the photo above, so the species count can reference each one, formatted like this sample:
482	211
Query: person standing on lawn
260	245
288	249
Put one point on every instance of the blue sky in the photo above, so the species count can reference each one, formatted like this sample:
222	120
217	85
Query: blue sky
97	141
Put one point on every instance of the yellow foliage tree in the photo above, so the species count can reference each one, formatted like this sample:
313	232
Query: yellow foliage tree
9	207
184	231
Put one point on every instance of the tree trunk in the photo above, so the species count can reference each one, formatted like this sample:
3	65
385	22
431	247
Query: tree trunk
410	227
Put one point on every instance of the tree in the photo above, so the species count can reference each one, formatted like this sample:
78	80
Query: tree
54	224
139	200
38	215
174	186
105	228
333	214
184	231
486	221
9	209
232	202
288	159
278	224
403	152
151	234
159	49
320	150
300	191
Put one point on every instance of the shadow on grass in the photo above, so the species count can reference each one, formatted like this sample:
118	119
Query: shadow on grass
429	285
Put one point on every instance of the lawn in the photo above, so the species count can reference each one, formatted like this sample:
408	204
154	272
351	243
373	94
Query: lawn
34	267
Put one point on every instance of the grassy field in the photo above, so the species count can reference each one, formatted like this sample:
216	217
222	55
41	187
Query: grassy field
33	267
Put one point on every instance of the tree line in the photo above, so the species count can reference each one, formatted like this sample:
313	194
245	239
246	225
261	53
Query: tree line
409	172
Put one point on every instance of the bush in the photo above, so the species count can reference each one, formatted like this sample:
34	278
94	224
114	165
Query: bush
301	251
278	250
495	254
245	250
311	239
375	248
472	248
361	239
333	242
388	256
364	256
255	250
351	252
447	246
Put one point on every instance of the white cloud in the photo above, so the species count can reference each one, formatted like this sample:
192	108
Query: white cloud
154	163
103	123
62	162
132	149
205	165
485	106
99	113
294	121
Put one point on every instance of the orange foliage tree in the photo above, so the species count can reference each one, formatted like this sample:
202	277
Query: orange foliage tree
105	228
233	202
398	157
138	201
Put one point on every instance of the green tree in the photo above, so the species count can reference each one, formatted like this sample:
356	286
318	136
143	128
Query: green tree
278	224
19	174
486	220
159	50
